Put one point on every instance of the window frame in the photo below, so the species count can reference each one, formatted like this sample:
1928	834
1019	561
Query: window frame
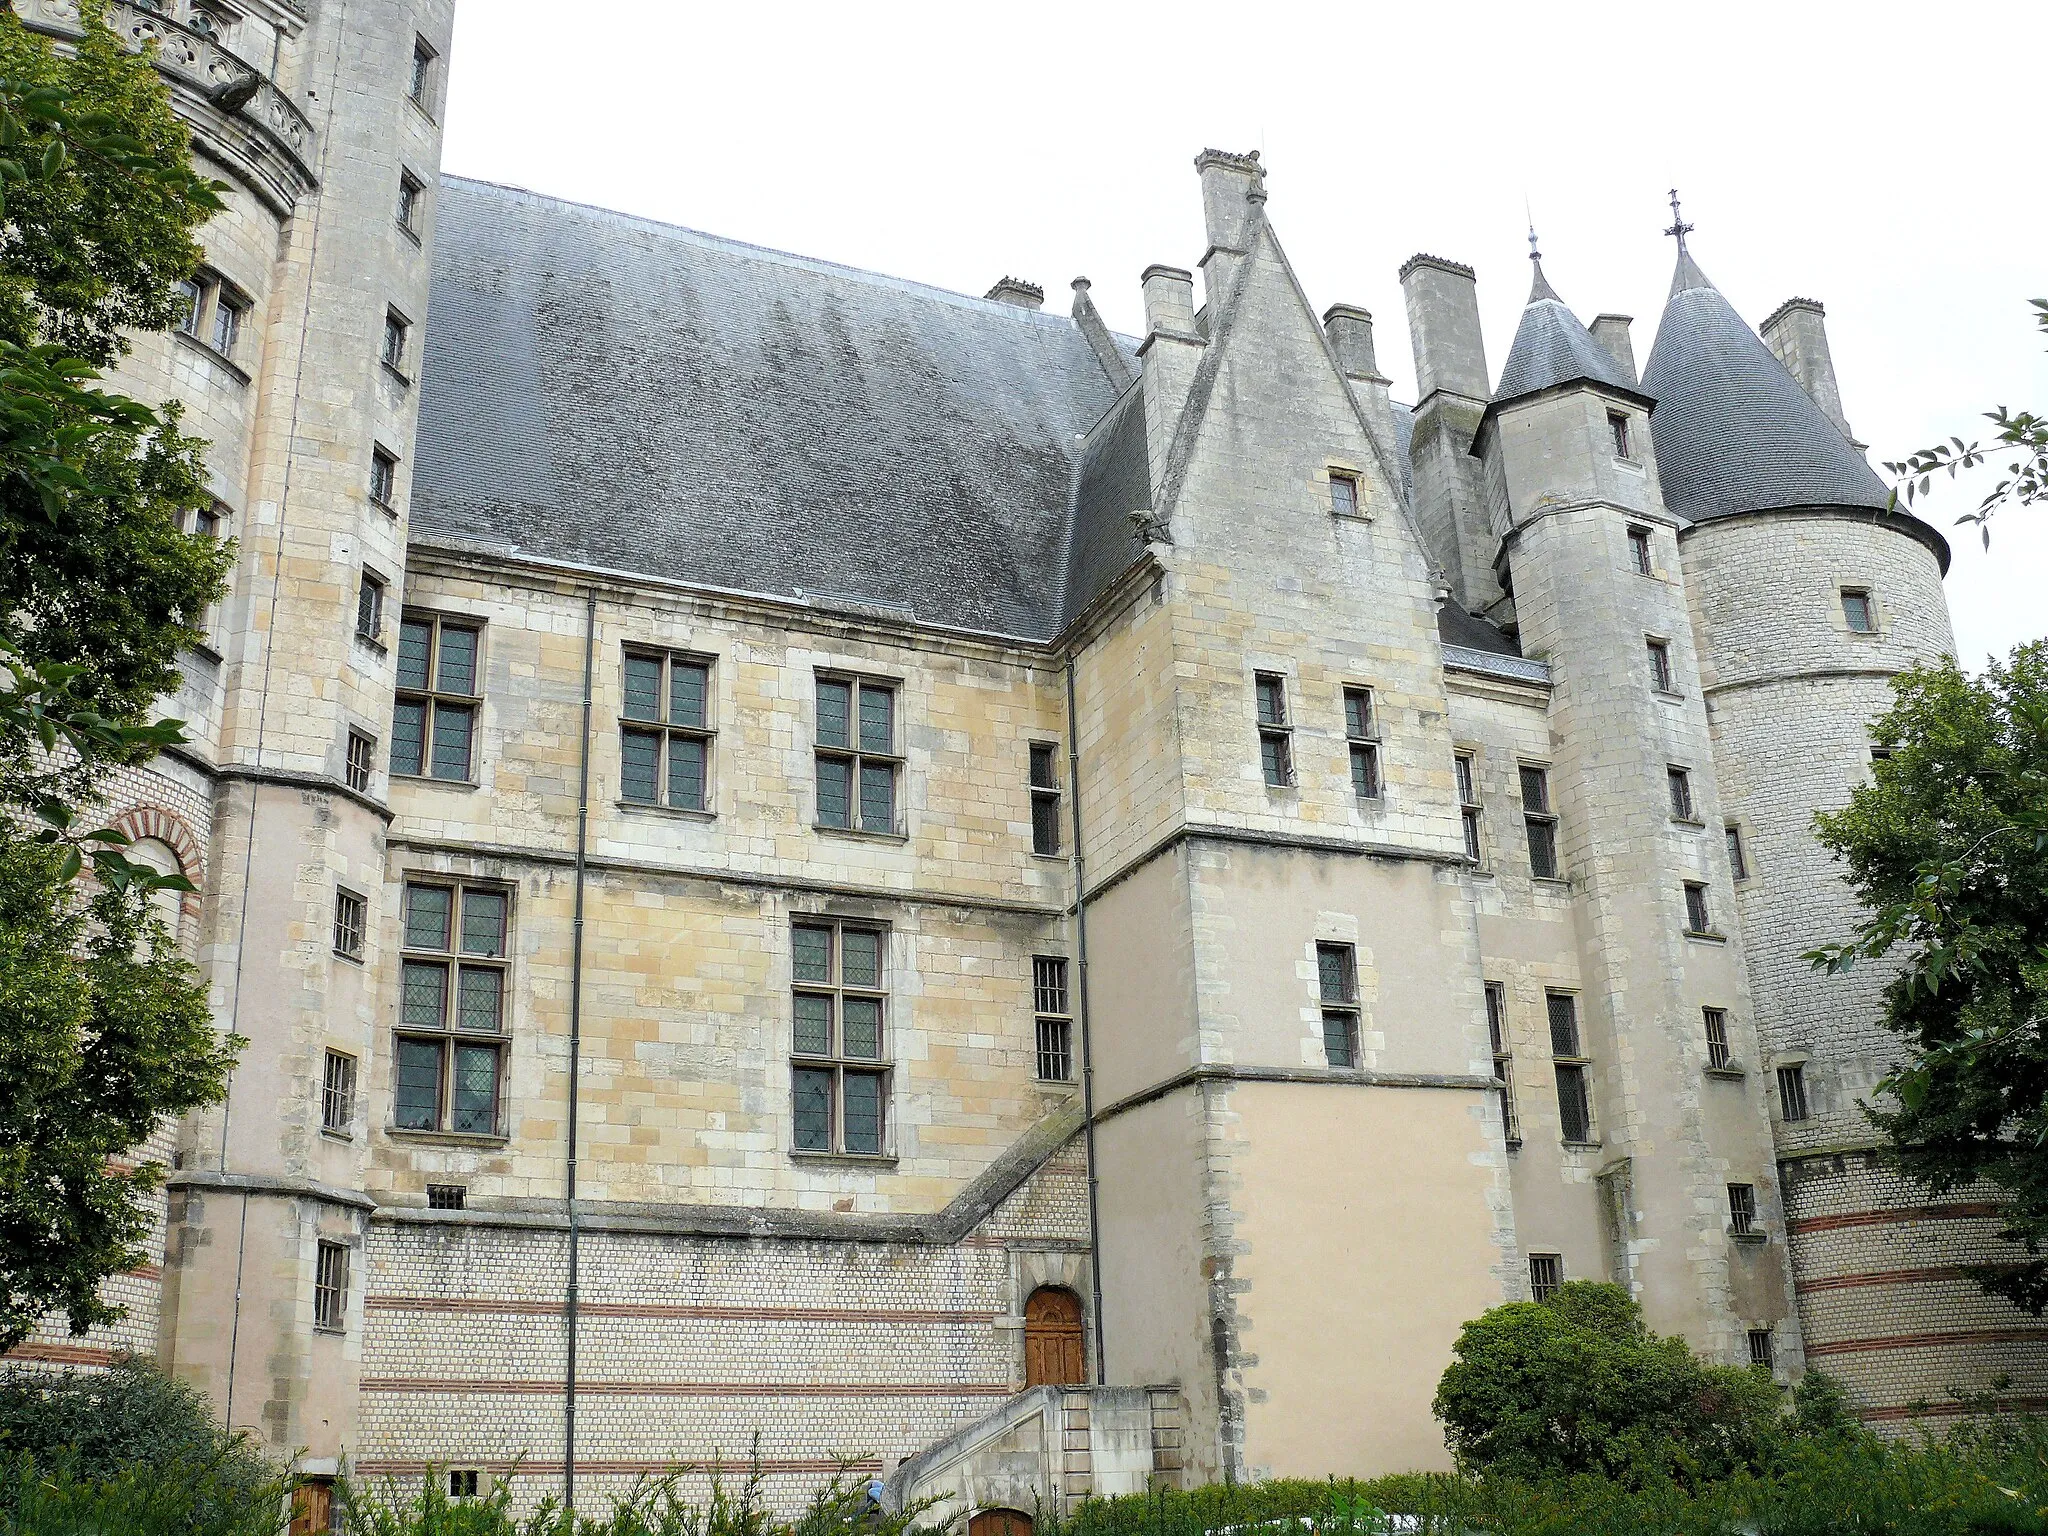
1275	731
856	757
1046	842
1339	1003
1791	1081
1503	1061
370	592
1867	600
411	190
230	311
1699	916
447	1197
434	699
1738	851
835	1058
1720	1051
1742	1212
1763	1348
422	84
1620	435
383	478
1052	1012
1574	1065
668	731
351	923
450	1036
1349	480
1684	809
396	347
1543	1286
1641	556
1663	679
1465	783
1543	817
339	1073
1362	740
330	1286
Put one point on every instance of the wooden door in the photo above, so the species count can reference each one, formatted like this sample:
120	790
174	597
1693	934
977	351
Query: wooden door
313	1508
1000	1522
1052	1339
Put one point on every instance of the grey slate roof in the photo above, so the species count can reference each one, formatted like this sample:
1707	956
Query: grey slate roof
1454	626
1115	481
608	391
1734	430
1551	347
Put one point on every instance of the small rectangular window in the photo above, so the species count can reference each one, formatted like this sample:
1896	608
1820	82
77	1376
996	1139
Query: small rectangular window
1562	1012
228	311
1540	821
350	914
1660	665
1466	767
1343	494
447	1197
1792	1093
330	1288
1617	429
361	754
370	609
665	732
433	724
338	1093
1337	982
1276	735
420	88
462	1482
1697	918
1045	798
1742	1209
1738	859
1719	1057
1763	1349
1055	1019
1546	1274
857	759
1681	793
1503	1058
410	190
383	478
1574	1104
839	1046
1856	609
1639	550
1361	731
397	334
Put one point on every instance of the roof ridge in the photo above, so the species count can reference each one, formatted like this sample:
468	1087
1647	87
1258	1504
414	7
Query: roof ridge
782	257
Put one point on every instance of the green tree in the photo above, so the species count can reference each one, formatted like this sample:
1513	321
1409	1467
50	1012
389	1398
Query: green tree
1947	845
1577	1384
103	1026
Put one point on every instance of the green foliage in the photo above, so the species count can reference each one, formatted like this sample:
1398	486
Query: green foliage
126	1449
2021	434
104	1029
1947	846
1576	1384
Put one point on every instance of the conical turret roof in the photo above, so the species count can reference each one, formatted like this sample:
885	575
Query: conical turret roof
1734	430
1552	347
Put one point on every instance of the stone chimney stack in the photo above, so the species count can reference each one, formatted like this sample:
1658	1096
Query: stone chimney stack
1014	290
1611	331
1443	324
1350	331
1229	185
1169	302
1797	334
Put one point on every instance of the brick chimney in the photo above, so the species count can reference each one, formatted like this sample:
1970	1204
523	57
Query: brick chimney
1014	290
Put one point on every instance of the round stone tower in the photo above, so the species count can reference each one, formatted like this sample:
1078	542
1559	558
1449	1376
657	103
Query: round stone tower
297	362
1808	597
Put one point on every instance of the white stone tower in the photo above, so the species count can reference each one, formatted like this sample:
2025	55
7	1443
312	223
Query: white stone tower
299	364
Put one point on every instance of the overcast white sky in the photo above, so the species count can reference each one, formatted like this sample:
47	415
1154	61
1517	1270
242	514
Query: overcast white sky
1817	149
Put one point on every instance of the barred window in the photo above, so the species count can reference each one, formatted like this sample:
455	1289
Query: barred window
433	726
330	1288
451	1024
665	731
1763	1349
1639	550
1055	1019
1361	730
839	1047
1546	1274
1792	1092
1276	735
447	1197
1660	665
1503	1058
362	752
1574	1096
1337	981
1718	1054
1738	859
1466	766
463	1482
1540	821
338	1093
1045	798
1742	1209
1680	782
350	919
1697	918
856	752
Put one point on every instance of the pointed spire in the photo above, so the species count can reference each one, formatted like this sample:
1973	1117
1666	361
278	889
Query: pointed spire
1688	275
1540	288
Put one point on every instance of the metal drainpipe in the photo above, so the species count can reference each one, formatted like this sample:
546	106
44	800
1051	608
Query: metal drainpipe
1087	1055
576	1055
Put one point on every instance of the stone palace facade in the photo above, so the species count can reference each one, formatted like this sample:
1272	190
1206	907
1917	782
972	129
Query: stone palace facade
906	874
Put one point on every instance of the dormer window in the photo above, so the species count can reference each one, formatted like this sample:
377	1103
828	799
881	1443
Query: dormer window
1617	425
1343	494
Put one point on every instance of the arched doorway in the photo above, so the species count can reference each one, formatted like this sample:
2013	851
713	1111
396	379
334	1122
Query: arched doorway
1052	1339
1000	1522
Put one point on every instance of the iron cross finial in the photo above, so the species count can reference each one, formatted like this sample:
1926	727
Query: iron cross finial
1534	254
1679	228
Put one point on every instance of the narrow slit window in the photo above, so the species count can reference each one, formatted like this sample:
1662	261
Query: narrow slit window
1719	1056
419	88
1055	1019
1466	767
1639	550
1045	798
1540	821
370	609
1660	665
1680	782
1738	856
1697	918
410	191
1337	982
1276	735
1617	430
384	478
1574	1095
1503	1058
1362	734
350	920
228	313
397	336
1792	1093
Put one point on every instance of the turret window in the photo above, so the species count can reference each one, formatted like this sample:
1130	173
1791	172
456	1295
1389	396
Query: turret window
1697	918
1763	1349
1574	1091
1856	609
1680	783
1738	856
1361	730
1792	1093
1503	1060
1719	1057
1540	821
410	191
397	337
1742	1210
1276	735
384	478
1465	765
1617	429
211	311
419	88
1660	665
370	610
330	1287
1639	551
